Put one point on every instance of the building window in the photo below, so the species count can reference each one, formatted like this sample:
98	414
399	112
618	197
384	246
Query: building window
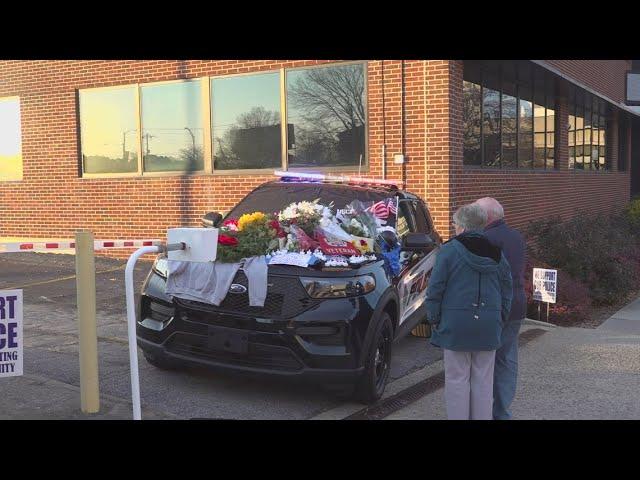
588	129
508	115
109	133
246	122
172	127
326	107
225	124
10	139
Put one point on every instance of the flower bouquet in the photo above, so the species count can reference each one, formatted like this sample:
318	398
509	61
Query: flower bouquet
251	235
305	215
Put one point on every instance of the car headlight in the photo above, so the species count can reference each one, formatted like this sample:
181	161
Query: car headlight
338	287
160	266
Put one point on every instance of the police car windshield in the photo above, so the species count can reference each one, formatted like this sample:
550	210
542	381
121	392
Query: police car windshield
273	197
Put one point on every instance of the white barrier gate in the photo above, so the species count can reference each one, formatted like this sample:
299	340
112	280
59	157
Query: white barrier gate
188	245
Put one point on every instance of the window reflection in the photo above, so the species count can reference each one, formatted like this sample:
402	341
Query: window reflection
246	122
10	140
504	125
588	131
172	130
491	126
525	140
326	108
109	136
509	124
472	98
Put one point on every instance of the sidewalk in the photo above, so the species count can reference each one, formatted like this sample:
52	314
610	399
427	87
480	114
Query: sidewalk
569	374
31	397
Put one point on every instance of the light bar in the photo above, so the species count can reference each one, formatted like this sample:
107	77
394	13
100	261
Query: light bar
336	178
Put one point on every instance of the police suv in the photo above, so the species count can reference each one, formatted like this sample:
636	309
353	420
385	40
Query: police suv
335	327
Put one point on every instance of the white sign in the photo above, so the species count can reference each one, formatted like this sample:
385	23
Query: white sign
545	285
291	258
201	244
11	338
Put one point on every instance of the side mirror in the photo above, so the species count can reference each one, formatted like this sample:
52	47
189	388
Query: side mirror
421	242
211	219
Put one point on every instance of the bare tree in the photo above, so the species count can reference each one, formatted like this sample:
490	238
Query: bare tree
330	95
257	117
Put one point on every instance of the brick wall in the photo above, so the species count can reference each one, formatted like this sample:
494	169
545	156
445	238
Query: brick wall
603	76
53	201
414	108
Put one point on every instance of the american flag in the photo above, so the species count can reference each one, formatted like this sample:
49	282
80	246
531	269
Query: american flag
383	208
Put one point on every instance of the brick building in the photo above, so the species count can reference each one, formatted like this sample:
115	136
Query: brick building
129	148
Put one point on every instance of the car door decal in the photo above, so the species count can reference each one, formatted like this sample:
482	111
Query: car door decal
412	285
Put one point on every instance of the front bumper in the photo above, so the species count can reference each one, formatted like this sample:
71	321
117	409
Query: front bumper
307	346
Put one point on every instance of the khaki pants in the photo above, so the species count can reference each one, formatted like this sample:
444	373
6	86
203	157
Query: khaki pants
468	387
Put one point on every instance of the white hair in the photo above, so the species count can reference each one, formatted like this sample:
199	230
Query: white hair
470	217
492	207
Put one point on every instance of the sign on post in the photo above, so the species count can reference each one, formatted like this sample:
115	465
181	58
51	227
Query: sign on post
11	338
545	283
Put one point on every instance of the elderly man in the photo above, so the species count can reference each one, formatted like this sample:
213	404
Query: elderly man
506	364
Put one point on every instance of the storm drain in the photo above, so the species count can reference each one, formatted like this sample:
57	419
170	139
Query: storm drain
425	387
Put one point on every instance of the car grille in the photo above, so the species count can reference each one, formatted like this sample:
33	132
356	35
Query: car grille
259	355
285	298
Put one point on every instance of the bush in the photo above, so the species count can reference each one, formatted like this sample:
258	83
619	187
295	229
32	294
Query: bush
602	252
632	214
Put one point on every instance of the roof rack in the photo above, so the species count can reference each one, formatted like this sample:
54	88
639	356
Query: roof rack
322	178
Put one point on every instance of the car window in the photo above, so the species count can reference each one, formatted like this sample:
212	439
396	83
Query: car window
404	223
422	220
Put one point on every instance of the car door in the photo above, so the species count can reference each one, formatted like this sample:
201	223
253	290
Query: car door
414	277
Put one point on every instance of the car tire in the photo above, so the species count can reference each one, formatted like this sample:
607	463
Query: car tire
377	363
160	361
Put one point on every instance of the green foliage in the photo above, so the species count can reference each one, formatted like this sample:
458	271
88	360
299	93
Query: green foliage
255	239
632	213
601	251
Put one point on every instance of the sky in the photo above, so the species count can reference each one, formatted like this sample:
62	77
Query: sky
10	139
232	96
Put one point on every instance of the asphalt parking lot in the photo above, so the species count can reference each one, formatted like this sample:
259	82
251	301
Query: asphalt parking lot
51	350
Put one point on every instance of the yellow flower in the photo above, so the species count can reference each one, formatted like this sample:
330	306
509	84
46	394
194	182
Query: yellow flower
249	218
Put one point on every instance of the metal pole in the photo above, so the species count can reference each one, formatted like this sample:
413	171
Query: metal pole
87	328
131	327
131	319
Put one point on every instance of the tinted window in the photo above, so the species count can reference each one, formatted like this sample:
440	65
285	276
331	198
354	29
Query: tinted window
588	131
508	115
172	128
273	197
326	107
405	223
109	133
422	221
246	122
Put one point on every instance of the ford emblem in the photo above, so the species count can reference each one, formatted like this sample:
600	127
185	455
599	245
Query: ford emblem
237	288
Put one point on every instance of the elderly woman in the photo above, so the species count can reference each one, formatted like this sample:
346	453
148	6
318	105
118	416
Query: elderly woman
468	300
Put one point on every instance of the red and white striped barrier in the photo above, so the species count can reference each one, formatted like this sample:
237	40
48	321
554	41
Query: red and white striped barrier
71	244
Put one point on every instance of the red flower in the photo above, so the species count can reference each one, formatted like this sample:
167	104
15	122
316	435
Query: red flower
231	224
363	243
227	240
276	226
